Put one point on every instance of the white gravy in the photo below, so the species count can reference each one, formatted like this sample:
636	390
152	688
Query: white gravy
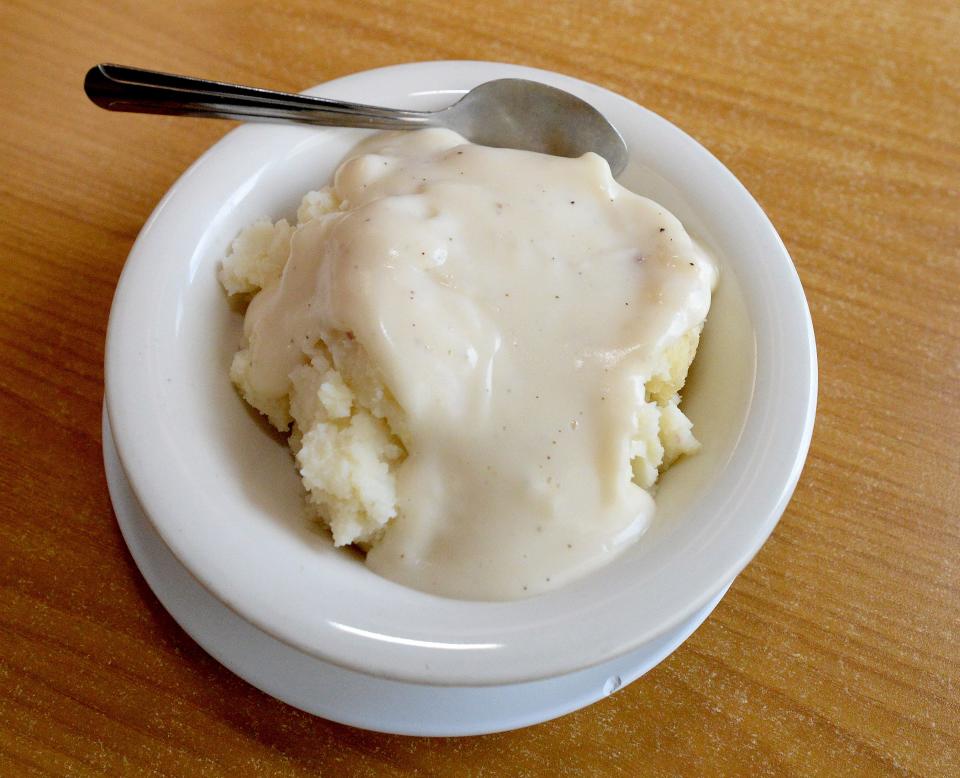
515	304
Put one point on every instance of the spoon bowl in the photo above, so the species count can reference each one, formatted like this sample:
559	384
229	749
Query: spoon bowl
521	114
508	113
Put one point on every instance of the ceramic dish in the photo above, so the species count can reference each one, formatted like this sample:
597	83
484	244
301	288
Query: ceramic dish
347	696
222	493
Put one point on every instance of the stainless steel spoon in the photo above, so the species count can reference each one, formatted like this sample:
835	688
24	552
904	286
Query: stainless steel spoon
509	113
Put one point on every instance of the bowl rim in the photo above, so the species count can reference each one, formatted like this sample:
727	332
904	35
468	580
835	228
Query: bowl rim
522	652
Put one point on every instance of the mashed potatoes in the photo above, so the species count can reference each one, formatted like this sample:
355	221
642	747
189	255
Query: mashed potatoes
510	443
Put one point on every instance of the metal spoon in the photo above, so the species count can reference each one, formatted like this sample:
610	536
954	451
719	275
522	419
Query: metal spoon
509	113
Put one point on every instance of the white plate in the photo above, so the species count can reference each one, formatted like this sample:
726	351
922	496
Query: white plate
347	696
222	491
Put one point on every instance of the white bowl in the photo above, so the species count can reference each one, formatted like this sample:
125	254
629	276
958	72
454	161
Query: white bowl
222	491
347	696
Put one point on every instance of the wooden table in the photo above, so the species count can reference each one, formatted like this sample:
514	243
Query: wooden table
835	652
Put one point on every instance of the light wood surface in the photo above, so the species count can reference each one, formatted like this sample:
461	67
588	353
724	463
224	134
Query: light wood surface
835	652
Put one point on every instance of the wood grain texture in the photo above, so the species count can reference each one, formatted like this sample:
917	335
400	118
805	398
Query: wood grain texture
835	652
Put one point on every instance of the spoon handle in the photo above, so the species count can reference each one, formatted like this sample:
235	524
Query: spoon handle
120	88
